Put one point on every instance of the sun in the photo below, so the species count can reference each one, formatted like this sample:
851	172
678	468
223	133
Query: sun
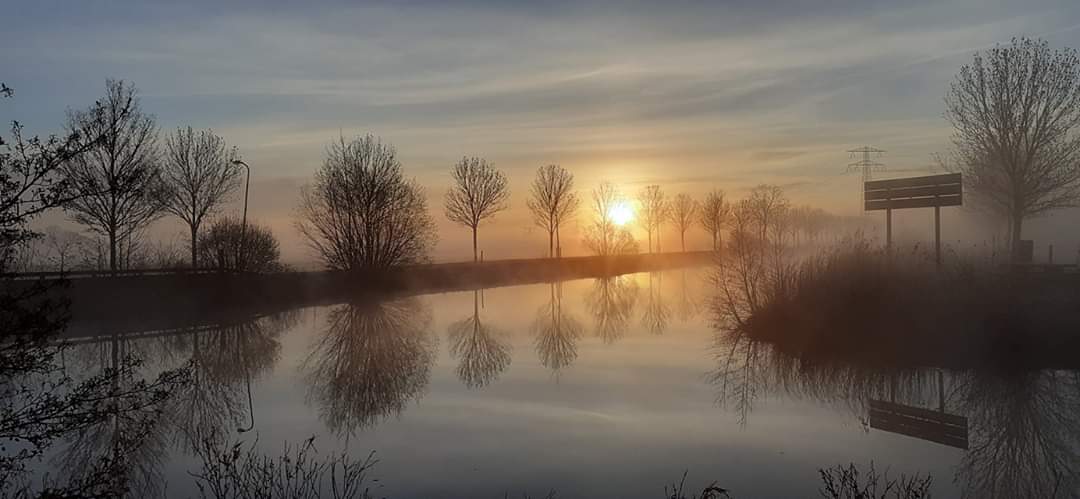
621	213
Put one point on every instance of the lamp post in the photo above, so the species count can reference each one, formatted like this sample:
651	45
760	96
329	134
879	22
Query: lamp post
241	259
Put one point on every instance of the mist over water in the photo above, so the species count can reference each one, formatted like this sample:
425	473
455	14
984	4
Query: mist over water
609	387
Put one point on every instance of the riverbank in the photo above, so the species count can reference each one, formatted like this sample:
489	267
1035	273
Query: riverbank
166	301
863	306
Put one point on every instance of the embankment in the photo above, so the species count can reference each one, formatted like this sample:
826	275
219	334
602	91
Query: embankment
165	301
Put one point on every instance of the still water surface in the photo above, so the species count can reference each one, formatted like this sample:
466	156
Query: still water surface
595	388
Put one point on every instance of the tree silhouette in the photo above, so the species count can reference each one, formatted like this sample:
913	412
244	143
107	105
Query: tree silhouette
31	176
199	175
654	212
116	184
361	212
221	245
767	206
552	202
1015	112
684	212
479	192
603	236
714	216
41	404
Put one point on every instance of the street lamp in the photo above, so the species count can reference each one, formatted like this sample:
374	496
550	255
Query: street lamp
243	225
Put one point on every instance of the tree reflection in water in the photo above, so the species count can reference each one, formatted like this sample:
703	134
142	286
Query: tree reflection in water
657	314
373	358
748	369
556	332
224	360
687	306
219	360
1023	426
611	303
1025	429
136	440
482	350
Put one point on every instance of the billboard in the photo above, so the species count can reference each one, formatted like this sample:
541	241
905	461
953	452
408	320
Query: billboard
913	192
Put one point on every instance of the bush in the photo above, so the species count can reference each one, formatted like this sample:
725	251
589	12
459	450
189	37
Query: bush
220	247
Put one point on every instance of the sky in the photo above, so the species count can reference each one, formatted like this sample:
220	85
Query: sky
688	95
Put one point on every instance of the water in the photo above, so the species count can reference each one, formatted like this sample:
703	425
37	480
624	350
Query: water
593	388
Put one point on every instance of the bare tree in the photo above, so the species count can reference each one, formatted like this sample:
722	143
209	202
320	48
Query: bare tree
62	246
42	407
31	178
199	175
684	212
1015	111
654	212
604	237
479	192
553	201
714	216
767	205
361	212
116	182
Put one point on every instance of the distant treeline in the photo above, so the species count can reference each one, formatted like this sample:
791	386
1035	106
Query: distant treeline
114	172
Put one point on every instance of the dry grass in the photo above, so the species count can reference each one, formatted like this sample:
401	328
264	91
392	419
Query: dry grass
861	304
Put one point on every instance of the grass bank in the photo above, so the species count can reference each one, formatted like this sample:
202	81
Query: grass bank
163	301
862	304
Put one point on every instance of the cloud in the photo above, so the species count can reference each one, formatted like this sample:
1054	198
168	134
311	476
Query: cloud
689	93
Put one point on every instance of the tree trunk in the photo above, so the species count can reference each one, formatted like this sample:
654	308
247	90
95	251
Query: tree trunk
474	259
682	240
1017	227
648	234
112	250
558	243
194	249
551	243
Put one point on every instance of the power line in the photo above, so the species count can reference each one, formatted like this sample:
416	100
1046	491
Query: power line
867	165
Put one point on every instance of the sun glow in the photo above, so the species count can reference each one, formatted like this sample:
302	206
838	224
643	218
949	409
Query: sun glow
621	213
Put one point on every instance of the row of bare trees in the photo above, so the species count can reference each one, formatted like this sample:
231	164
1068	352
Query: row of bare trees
361	212
127	180
715	214
115	175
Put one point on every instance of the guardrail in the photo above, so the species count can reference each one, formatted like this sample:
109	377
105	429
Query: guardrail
1041	268
82	274
440	266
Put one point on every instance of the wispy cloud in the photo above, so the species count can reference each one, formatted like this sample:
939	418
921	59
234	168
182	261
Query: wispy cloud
696	93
